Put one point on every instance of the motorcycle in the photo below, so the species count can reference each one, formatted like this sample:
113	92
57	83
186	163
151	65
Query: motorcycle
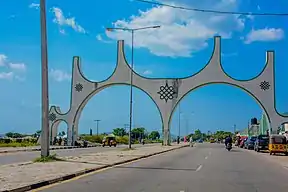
229	146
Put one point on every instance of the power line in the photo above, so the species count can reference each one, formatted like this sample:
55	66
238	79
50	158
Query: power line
212	11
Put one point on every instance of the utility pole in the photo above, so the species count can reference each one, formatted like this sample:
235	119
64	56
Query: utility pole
44	80
97	125
234	128
179	123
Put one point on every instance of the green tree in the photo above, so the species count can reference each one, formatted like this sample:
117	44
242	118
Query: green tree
119	132
137	133
197	135
154	135
14	135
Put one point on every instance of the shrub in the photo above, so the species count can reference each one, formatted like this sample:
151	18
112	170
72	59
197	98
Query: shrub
93	138
122	140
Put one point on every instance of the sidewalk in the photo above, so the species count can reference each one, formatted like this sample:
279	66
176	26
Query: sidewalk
29	175
36	148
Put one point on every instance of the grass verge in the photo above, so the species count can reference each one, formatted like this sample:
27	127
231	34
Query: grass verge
128	149
50	158
15	144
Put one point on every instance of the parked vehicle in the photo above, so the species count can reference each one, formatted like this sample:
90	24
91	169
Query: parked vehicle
277	144
250	142
200	141
243	139
261	143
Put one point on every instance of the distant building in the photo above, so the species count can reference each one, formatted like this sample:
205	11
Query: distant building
264	124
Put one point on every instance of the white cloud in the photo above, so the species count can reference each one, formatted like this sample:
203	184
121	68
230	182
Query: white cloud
3	59
34	5
6	75
266	34
13	68
182	32
18	66
147	72
100	38
59	75
62	21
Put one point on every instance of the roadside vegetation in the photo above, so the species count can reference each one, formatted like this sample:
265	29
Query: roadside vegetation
49	158
13	139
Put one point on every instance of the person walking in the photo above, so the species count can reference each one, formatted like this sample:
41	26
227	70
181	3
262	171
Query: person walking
191	141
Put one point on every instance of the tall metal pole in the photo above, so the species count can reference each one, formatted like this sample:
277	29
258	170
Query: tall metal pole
44	70
131	75
97	126
179	123
131	88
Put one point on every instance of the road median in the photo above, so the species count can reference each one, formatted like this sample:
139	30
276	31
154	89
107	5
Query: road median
28	176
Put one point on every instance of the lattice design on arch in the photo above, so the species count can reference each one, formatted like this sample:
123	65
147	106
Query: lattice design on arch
78	87
264	85
166	92
52	117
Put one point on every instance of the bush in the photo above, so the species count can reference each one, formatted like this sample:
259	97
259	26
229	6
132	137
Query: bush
93	138
5	141
15	144
122	140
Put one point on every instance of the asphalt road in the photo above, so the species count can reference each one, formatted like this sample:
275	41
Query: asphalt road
204	168
18	157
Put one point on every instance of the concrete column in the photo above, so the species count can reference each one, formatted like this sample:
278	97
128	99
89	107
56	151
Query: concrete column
70	134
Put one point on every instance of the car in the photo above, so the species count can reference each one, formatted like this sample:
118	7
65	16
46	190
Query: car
261	143
249	143
200	141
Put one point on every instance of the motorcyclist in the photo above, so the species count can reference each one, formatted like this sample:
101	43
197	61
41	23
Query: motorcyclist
228	139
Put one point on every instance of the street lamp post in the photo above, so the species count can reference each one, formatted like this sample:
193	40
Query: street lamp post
179	122
132	30
97	125
44	70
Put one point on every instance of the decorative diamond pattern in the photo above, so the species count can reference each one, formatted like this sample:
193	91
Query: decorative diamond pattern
264	85
78	87
52	117
166	92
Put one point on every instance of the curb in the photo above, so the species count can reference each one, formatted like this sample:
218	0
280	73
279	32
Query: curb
70	176
52	149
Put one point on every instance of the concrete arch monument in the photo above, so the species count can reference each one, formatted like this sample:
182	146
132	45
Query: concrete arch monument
167	92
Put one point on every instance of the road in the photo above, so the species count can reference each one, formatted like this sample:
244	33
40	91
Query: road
206	167
19	157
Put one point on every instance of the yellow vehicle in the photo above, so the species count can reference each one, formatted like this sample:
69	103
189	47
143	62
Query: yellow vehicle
277	144
109	140
212	140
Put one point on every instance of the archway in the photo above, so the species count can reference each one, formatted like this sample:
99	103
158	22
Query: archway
203	86
59	128
124	116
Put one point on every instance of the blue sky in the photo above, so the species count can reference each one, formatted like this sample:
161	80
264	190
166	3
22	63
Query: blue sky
182	46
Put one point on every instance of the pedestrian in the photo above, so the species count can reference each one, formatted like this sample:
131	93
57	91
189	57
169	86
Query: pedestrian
191	141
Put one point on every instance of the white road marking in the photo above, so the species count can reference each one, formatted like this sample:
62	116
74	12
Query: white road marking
206	157
199	167
182	191
209	152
